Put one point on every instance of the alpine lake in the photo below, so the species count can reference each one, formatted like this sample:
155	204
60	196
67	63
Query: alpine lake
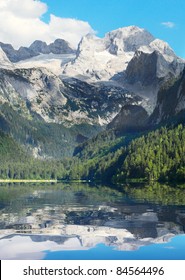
80	221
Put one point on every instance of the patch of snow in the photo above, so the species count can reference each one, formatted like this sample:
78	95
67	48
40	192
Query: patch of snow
52	62
102	121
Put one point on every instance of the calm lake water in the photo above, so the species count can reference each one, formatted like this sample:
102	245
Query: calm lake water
80	221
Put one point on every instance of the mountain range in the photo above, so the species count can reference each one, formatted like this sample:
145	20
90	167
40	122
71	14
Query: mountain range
52	97
59	46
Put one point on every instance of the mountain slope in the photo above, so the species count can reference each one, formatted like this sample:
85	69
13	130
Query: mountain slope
131	118
38	92
45	114
43	140
16	163
96	104
10	150
157	155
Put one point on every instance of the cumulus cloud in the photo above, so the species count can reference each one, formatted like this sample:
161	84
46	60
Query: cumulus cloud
21	23
168	24
70	29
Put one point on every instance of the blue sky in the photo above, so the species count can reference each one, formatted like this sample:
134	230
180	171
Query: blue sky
165	19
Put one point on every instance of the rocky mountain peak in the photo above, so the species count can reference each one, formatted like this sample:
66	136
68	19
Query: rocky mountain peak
136	70
60	46
39	47
162	47
160	62
127	39
90	44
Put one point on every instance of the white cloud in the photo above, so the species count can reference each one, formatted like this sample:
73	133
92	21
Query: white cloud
24	9
21	23
70	29
168	24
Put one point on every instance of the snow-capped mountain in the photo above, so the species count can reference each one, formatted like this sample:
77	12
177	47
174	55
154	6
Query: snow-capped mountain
130	57
36	81
103	59
55	84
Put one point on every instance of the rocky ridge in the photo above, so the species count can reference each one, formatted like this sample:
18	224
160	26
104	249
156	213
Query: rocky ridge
59	46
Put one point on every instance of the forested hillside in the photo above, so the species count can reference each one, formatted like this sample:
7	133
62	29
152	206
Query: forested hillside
16	163
157	155
48	140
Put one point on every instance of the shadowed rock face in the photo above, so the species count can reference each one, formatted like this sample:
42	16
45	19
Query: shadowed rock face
59	46
136	70
170	102
17	55
39	46
130	118
149	68
147	72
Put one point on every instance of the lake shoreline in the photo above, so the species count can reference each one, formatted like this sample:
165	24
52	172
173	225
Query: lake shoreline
26	181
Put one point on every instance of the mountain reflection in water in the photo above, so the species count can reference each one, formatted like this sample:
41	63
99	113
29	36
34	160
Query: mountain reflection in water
78	217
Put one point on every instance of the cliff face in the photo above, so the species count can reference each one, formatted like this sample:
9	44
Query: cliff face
131	118
170	101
